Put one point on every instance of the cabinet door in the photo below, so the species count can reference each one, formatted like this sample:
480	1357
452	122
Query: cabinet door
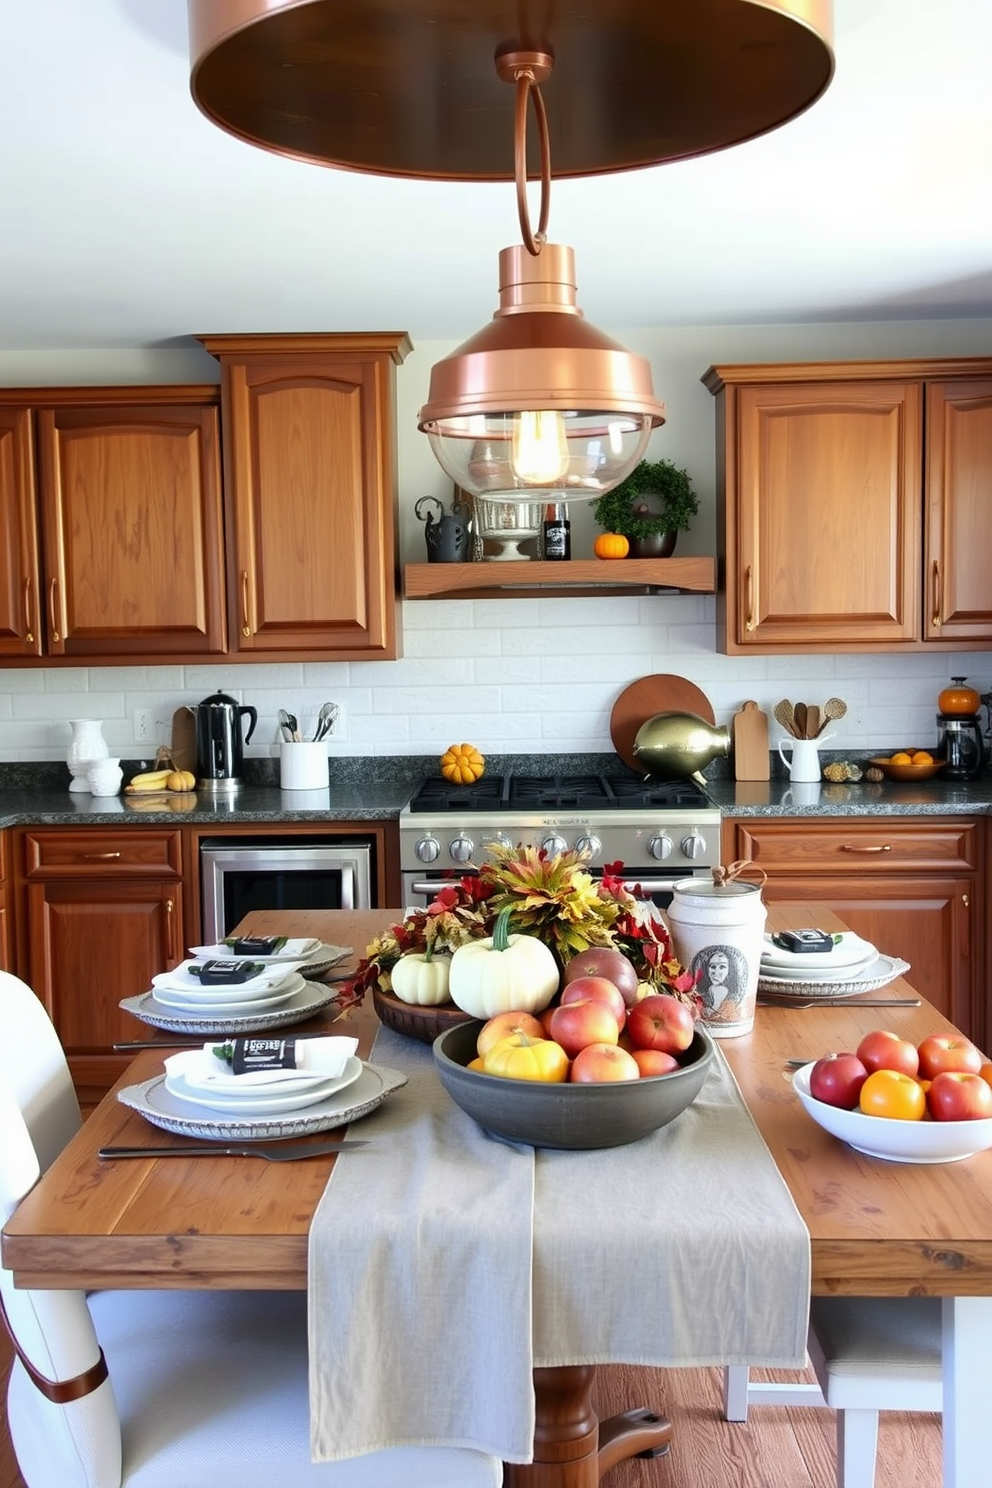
132	527
824	538
310	463
20	620
958	597
91	943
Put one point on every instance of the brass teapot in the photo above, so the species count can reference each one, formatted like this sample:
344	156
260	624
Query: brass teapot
677	746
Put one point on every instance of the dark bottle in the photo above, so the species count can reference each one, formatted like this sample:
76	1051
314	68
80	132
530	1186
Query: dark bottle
557	534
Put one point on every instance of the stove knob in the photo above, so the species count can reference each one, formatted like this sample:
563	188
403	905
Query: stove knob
694	846
499	839
427	849
661	846
589	846
462	848
553	844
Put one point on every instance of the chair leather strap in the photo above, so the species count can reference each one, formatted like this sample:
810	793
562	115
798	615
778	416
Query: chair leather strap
59	1392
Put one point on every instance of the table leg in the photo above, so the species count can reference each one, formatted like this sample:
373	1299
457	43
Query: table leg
967	1425
572	1447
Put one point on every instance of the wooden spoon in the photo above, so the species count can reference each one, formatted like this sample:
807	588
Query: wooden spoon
812	720
783	714
833	709
799	715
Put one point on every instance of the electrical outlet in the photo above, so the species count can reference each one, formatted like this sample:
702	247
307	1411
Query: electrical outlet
143	731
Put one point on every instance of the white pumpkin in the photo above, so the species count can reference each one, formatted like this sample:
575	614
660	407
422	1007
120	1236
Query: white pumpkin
421	979
503	973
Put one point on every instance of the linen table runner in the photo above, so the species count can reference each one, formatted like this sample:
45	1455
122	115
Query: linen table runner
432	1297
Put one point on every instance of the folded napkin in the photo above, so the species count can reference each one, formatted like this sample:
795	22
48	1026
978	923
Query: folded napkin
300	946
318	1060
436	1288
181	979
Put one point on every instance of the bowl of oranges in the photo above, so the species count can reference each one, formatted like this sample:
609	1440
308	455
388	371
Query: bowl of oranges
909	764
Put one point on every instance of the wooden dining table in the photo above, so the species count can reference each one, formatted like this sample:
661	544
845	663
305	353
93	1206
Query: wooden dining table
876	1228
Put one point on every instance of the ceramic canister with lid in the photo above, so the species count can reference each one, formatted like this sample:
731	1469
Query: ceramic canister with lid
718	930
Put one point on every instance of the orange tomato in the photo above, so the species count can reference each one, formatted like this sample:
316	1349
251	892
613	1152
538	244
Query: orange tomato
893	1094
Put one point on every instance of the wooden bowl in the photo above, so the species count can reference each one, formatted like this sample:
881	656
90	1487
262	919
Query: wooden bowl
423	1023
907	772
576	1117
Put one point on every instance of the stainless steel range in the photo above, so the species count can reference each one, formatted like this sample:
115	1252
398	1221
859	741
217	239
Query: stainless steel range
660	830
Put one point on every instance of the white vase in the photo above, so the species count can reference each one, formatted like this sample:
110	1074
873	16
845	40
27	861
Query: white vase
86	745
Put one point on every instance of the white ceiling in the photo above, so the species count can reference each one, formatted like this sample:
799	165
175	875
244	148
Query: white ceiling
126	219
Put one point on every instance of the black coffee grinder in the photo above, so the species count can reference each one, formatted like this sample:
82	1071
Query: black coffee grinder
959	732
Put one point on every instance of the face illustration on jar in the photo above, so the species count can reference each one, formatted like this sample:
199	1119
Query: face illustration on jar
724	976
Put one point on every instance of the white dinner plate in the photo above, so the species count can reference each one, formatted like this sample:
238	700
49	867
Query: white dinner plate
181	979
879	973
259	1102
298	948
263	1002
159	1106
819	974
849	949
202	1023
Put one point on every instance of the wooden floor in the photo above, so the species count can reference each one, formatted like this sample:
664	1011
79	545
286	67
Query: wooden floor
776	1448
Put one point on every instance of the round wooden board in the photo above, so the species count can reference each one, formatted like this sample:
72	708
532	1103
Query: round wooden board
661	693
423	1023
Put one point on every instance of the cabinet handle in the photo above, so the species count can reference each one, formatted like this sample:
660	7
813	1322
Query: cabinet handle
170	928
53	608
96	857
245	626
966	901
28	628
749	592
935	619
864	848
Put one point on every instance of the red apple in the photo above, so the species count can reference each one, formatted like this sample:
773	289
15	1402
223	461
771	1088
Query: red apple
882	1049
596	986
597	1063
836	1079
501	1025
948	1051
655	1062
576	1024
959	1095
604	961
661	1021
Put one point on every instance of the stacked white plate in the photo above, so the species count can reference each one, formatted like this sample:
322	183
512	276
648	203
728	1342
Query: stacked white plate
853	966
314	956
198	1077
270	987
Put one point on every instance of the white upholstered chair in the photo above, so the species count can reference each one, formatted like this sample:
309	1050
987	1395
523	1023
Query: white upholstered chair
167	1389
869	1354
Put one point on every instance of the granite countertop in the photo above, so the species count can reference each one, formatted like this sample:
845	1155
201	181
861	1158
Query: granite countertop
249	803
887	798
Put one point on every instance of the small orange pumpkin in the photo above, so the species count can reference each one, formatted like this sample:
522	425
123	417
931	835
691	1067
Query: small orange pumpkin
611	545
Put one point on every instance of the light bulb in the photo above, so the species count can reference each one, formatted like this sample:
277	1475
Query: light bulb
538	447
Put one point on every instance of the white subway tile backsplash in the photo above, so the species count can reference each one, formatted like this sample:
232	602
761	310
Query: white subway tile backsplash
521	675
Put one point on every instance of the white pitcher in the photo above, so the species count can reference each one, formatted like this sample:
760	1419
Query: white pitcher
85	747
805	761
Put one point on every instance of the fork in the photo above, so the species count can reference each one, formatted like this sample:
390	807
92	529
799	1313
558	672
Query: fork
285	1152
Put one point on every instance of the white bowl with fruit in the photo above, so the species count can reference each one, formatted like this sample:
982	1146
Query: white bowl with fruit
917	1103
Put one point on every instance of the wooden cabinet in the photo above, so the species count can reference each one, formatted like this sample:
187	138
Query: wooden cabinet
111	520
911	887
310	489
855	505
102	914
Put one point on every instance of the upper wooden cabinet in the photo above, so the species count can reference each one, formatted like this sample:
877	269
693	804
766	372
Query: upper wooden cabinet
110	514
310	487
856	505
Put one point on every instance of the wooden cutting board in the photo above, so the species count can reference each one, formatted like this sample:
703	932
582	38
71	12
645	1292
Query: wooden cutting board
661	693
750	734
184	739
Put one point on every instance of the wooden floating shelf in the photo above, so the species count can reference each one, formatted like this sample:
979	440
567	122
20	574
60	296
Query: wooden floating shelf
576	576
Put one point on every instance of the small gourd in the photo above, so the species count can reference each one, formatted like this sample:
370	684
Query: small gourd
462	763
611	545
503	973
421	978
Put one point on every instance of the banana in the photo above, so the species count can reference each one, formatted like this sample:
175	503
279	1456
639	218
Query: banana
149	780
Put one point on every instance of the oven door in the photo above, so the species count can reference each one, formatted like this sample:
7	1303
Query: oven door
651	886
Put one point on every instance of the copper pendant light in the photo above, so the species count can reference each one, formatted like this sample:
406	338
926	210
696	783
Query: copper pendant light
406	87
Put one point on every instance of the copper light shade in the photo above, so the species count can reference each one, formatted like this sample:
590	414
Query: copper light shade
406	87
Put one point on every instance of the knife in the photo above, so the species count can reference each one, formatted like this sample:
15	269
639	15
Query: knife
287	1152
770	1000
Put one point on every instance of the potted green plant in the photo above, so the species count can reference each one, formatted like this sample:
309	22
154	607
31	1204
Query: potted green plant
649	507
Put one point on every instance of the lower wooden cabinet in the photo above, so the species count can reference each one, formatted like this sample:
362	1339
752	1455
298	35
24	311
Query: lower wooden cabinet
910	887
102	914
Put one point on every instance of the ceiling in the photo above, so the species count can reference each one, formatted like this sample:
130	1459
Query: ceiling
126	219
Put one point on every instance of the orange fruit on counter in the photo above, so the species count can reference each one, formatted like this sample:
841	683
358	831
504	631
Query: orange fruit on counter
902	758
922	757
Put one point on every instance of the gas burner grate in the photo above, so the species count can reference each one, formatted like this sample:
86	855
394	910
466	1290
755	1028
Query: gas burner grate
532	793
658	794
488	794
566	793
